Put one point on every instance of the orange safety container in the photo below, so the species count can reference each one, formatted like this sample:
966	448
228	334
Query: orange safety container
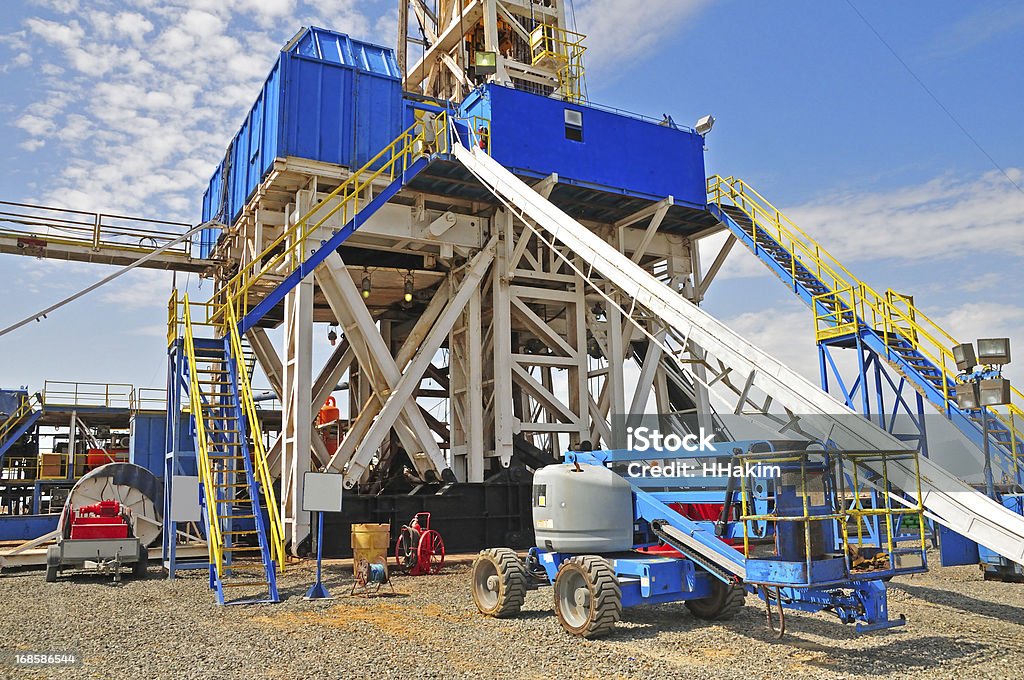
329	412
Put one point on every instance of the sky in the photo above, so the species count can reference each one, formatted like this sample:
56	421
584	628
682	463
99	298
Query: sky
127	106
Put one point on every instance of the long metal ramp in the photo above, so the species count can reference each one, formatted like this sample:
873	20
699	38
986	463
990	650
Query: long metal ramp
761	384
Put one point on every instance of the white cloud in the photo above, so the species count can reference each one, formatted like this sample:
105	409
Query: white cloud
139	288
141	101
618	31
940	220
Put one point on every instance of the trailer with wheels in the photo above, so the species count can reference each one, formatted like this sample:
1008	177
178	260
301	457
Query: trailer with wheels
97	537
793	523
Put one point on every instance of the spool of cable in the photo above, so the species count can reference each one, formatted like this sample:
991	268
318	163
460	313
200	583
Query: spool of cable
378	573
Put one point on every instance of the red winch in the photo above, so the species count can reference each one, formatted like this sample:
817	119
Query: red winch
106	519
420	549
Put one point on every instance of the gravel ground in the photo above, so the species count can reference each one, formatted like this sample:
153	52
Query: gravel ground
958	627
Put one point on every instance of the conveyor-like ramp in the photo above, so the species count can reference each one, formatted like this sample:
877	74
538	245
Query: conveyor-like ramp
734	363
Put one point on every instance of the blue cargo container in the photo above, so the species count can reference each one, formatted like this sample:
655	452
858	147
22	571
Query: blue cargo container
328	98
589	146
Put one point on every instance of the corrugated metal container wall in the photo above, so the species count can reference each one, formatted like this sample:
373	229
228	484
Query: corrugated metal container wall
328	98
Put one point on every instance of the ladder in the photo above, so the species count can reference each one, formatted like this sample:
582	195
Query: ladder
19	422
245	538
845	306
736	365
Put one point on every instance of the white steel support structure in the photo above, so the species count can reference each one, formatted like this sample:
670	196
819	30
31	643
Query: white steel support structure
438	57
503	356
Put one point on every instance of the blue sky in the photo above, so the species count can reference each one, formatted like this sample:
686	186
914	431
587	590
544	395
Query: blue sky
127	107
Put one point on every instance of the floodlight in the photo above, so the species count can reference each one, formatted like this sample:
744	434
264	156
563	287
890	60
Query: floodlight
994	351
964	357
704	124
965	397
994	392
485	63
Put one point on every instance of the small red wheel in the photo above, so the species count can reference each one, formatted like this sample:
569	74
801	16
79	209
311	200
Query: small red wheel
431	553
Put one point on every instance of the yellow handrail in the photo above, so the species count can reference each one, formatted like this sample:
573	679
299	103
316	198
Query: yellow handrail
561	49
288	250
215	539
27	406
259	451
881	312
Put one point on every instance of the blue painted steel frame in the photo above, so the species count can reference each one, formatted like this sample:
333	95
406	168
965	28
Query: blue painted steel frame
329	246
914	365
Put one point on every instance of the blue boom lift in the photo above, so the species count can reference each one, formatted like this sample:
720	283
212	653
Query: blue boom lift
794	523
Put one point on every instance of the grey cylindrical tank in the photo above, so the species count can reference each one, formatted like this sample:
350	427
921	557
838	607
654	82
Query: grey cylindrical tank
590	511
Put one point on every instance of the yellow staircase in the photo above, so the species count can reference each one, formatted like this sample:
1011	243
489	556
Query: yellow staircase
245	536
844	304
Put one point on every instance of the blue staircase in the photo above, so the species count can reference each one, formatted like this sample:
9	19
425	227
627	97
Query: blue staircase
234	500
849	313
19	422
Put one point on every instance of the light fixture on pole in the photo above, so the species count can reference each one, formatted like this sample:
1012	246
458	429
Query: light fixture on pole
704	125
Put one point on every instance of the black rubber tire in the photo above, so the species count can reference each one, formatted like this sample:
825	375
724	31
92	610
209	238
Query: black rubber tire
511	580
603	606
142	565
723	604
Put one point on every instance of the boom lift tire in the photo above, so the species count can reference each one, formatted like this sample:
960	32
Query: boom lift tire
499	582
588	598
723	604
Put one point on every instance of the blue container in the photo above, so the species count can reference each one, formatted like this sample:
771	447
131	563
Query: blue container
590	146
10	401
328	98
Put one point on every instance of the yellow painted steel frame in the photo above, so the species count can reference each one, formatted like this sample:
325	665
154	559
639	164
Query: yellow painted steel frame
259	451
891	315
851	502
289	250
180	321
28	405
561	49
480	130
215	539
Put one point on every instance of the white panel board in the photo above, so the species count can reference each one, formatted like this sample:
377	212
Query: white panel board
322	491
185	499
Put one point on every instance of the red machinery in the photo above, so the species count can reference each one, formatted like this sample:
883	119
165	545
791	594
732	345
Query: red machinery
420	549
106	519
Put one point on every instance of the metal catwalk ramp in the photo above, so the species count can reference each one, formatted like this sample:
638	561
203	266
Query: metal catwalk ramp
847	308
77	236
733	362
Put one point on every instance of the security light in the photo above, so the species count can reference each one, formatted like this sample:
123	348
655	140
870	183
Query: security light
994	392
994	351
964	356
485	63
704	125
965	397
